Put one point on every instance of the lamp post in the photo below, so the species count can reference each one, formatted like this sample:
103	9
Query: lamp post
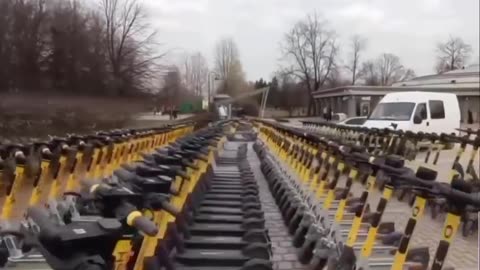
211	85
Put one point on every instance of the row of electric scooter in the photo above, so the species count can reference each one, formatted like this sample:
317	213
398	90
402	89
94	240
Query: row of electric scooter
311	178
131	199
407	144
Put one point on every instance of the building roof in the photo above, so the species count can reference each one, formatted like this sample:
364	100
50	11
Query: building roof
221	96
464	82
469	76
358	90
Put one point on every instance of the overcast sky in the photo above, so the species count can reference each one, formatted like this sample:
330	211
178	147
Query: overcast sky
407	28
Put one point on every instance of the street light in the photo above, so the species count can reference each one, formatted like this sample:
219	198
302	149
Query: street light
211	84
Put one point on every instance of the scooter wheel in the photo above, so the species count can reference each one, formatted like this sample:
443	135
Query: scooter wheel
468	228
434	211
401	194
317	263
3	256
299	237
305	253
94	267
411	202
294	222
150	264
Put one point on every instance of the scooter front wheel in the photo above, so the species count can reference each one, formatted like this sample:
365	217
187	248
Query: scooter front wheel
317	263
468	228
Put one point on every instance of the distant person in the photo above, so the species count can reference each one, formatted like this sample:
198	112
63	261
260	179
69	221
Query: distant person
365	111
325	112
329	114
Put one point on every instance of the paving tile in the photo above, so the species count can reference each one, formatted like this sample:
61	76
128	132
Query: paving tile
462	254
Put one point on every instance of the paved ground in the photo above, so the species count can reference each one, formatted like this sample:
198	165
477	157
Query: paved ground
284	254
148	120
159	117
462	253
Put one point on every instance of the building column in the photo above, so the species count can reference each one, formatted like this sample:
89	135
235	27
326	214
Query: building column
463	109
351	102
339	105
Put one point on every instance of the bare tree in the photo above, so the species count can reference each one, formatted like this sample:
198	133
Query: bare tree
452	54
385	70
369	73
6	18
235	83
27	43
312	48
408	74
195	73
129	43
390	69
229	67
357	44
68	46
292	94
226	54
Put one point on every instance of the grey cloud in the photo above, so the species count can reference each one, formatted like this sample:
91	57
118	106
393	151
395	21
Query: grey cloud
408	28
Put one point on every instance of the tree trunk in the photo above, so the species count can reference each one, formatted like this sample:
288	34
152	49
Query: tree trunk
312	110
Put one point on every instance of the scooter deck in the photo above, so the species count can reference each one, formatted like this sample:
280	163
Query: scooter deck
230	204
217	242
236	180
229	192
231	176
228	186
217	257
217	229
224	197
186	267
210	218
207	203
221	211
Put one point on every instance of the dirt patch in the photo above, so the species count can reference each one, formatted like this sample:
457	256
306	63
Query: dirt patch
24	117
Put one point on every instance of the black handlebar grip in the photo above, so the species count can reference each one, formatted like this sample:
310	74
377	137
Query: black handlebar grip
474	199
461	185
96	188
189	164
169	208
124	174
202	157
363	156
141	223
41	217
182	174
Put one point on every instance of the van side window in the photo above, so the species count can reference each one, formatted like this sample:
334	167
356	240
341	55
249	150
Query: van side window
437	110
421	110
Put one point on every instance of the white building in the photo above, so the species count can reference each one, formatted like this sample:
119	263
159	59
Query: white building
360	100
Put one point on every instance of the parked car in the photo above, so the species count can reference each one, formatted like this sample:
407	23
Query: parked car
338	117
417	111
353	121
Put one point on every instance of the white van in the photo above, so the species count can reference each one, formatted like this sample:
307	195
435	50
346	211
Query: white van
417	111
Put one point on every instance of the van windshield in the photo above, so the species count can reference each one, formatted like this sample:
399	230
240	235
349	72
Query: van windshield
396	111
